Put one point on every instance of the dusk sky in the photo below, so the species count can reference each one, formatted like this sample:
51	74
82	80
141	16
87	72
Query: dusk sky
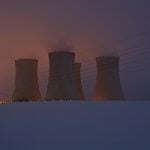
93	27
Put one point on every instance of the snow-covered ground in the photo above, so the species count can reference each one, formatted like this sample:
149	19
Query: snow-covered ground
75	126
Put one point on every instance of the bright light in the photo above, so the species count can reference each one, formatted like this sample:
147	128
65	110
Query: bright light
3	102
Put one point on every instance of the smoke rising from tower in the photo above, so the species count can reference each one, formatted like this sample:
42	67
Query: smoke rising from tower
60	45
26	81
108	86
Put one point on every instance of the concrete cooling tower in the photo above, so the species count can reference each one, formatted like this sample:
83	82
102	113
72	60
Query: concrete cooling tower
108	86
77	76
61	85
26	81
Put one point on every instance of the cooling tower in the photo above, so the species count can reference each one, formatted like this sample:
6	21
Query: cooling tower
61	85
26	81
108	86
78	83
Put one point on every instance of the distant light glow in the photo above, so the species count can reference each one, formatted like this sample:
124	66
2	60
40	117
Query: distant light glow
4	102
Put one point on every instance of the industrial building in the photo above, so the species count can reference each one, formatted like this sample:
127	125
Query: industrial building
61	84
26	81
108	85
78	82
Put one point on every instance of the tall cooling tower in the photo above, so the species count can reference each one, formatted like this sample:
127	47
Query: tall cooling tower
108	86
26	81
77	76
61	85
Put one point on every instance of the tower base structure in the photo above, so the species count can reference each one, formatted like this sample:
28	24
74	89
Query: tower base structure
61	85
26	81
108	85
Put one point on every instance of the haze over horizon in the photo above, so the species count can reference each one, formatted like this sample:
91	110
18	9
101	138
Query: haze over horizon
28	28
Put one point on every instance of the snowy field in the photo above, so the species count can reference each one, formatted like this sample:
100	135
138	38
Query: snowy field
75	126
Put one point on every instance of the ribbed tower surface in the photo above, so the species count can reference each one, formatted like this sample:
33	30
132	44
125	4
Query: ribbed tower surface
108	85
61	85
78	82
26	80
